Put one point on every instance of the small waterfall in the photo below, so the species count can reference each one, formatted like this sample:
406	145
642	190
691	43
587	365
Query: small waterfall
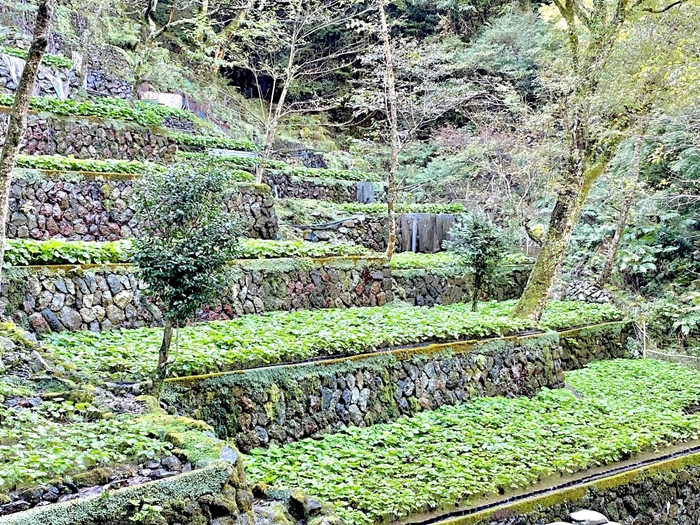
414	232
61	88
365	192
14	66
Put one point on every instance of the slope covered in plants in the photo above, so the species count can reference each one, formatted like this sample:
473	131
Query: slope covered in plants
256	340
610	411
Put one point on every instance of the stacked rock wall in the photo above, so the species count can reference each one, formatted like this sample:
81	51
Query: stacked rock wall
440	286
287	403
372	231
665	493
91	137
69	82
364	230
100	83
106	297
94	207
290	186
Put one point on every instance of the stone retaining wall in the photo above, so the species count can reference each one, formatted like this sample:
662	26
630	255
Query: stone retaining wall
665	493
287	403
372	231
217	493
111	296
94	207
441	286
364	230
98	82
91	137
285	186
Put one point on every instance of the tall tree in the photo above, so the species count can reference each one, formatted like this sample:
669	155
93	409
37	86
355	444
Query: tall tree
277	43
592	31
623	215
18	115
393	118
403	89
187	243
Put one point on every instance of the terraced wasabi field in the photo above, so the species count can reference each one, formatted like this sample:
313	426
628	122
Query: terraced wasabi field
277	337
610	411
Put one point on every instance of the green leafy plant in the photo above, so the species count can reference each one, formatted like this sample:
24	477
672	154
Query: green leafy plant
24	252
243	162
481	245
148	514
207	141
458	454
70	163
57	439
185	245
321	173
276	337
143	113
675	319
418	261
47	60
379	208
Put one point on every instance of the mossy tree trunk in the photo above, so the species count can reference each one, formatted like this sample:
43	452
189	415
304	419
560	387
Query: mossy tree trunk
592	32
18	116
392	113
572	193
623	216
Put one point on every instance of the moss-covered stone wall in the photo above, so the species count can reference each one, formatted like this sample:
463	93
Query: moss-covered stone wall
100	207
91	138
428	287
286	403
103	297
665	493
198	497
284	185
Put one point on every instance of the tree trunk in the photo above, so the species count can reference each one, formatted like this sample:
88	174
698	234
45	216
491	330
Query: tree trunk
478	282
266	152
394	130
572	194
162	369
561	225
623	216
18	116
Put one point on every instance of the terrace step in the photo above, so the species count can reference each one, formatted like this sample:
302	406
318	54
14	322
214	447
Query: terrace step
91	137
324	396
449	466
103	297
